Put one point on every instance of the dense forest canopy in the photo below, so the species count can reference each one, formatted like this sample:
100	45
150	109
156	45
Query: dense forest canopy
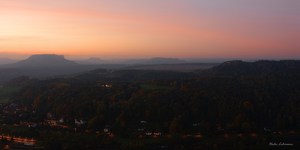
234	97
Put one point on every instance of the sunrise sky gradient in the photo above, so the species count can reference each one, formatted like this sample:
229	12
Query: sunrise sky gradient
151	28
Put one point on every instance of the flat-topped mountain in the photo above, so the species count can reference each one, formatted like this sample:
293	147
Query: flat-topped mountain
46	60
42	66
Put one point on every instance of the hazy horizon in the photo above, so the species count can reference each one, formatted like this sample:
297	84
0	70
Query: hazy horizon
15	57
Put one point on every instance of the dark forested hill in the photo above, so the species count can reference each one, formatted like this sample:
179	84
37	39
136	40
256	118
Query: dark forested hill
236	98
283	67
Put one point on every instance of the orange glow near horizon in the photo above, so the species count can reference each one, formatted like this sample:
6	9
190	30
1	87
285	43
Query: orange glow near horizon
173	29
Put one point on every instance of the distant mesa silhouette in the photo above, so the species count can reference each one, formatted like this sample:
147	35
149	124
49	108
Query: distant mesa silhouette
45	60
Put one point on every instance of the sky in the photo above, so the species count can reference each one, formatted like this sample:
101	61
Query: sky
151	28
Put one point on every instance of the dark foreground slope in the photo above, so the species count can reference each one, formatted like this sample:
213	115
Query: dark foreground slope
235	105
262	67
